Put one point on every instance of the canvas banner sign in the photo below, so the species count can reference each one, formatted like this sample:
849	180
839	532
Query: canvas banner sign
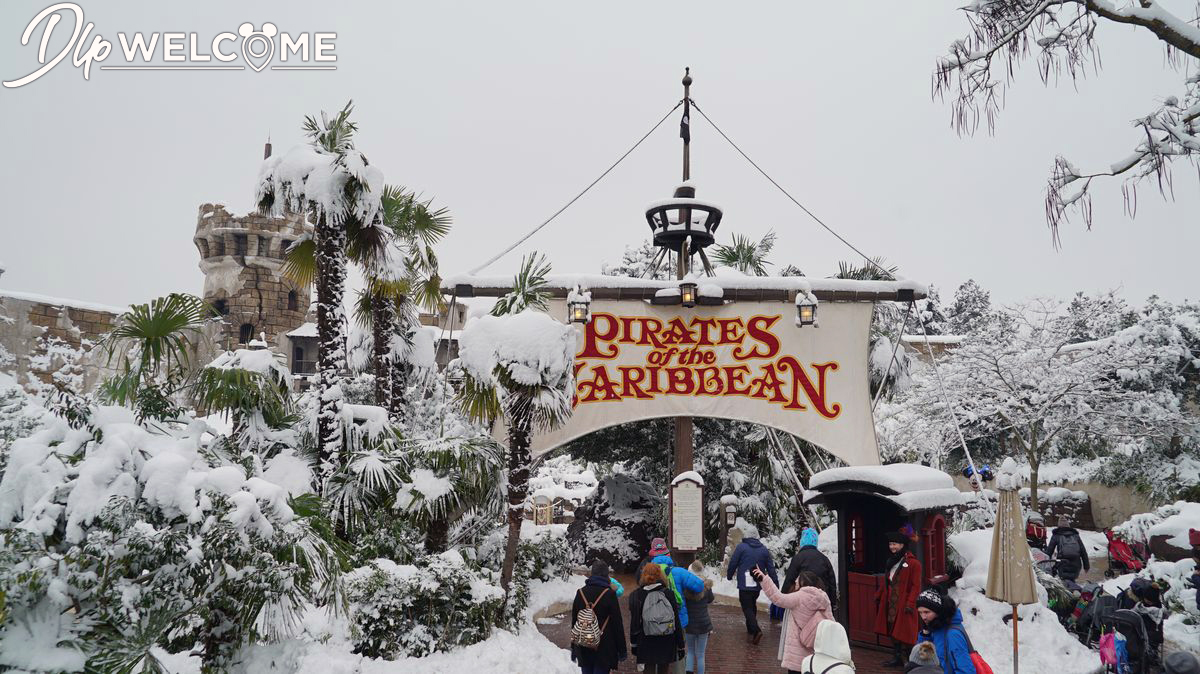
745	360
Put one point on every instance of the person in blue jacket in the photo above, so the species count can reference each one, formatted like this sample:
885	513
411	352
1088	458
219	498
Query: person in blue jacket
942	625
680	580
750	553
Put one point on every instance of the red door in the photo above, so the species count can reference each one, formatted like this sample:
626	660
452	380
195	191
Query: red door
862	606
863	587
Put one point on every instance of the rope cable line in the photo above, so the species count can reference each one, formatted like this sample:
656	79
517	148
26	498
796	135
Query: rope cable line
567	205
976	479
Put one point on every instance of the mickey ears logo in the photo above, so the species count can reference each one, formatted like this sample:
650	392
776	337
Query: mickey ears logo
258	47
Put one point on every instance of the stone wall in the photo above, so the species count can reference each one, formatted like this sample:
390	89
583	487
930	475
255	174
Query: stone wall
1107	506
47	335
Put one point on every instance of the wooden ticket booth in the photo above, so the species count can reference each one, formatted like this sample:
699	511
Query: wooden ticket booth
871	501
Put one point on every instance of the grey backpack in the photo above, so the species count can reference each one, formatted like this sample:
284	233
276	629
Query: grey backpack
1070	547
658	616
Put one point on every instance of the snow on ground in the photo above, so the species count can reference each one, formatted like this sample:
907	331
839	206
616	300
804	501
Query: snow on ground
1044	644
324	647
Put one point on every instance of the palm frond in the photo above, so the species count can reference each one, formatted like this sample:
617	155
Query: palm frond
300	265
874	270
745	255
335	135
158	331
529	287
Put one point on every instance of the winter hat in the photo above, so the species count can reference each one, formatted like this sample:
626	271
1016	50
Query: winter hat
932	600
924	655
1064	521
1181	662
659	547
896	537
808	537
599	568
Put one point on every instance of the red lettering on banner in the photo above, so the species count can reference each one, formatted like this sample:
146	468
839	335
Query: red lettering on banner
815	393
592	335
759	329
631	378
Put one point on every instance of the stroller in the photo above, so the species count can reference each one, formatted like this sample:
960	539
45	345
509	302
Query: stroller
1128	623
1100	610
1123	557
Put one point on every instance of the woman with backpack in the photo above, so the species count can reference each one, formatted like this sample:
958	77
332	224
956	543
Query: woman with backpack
942	625
1072	555
597	631
806	606
655	632
695	635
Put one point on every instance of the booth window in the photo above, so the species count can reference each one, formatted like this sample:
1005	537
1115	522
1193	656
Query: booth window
858	542
934	537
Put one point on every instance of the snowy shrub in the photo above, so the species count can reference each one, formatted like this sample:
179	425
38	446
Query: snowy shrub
435	604
617	523
19	417
153	540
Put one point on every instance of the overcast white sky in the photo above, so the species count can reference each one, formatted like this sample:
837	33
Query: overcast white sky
503	111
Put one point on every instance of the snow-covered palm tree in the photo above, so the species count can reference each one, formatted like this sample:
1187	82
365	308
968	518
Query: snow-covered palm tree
518	366
331	182
406	278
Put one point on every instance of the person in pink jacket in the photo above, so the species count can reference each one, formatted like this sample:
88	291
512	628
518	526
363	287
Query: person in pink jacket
807	606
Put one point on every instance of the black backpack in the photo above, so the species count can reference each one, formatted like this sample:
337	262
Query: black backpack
1070	546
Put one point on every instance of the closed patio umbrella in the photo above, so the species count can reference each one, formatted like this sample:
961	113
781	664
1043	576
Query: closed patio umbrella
1010	569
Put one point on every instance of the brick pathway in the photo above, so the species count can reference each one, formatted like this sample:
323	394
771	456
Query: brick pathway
728	651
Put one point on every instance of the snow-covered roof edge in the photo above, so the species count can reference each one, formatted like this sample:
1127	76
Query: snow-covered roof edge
61	302
897	477
799	283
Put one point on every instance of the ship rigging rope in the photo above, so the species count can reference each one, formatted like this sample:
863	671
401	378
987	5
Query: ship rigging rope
976	478
548	220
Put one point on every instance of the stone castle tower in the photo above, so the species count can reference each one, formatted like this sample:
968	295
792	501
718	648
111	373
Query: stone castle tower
242	260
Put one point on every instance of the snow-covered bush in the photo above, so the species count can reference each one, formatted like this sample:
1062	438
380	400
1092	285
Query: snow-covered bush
19	417
617	523
435	604
152	538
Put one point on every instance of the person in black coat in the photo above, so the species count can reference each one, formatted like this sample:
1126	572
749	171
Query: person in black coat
1072	553
597	592
657	653
809	558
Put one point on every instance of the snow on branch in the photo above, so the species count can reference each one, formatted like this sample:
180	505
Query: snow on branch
1060	35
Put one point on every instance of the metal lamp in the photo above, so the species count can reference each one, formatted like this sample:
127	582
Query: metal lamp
687	294
578	311
806	313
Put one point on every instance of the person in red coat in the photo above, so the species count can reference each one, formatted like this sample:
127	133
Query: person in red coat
896	600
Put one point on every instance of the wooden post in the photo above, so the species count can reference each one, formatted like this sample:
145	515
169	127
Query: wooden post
683	458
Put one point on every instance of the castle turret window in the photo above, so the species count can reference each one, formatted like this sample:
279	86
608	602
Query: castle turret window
283	248
245	333
293	301
240	244
221	307
218	248
264	246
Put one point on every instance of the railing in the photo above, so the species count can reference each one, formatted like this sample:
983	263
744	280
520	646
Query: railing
303	367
